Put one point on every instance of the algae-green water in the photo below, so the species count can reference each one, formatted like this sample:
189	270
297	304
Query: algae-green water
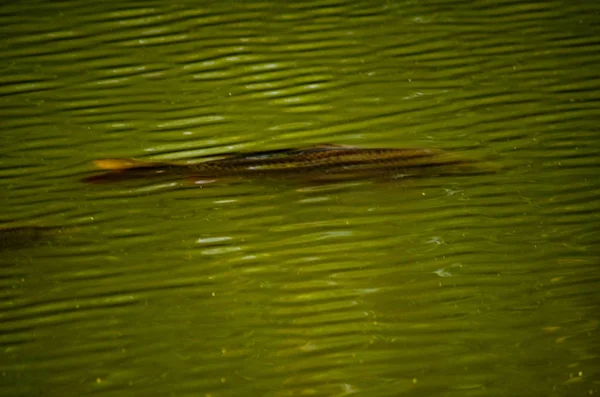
473	285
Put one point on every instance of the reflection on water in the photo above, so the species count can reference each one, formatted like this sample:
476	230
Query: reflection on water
458	285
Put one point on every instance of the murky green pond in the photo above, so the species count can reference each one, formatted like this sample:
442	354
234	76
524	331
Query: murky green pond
473	285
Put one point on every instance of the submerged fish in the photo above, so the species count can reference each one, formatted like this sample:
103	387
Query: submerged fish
323	162
24	236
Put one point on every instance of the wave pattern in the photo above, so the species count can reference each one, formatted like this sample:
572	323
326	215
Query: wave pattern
479	285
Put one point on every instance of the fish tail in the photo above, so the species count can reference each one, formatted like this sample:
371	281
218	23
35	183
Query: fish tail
125	164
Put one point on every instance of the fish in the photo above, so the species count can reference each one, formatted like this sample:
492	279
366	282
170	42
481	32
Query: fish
326	162
24	236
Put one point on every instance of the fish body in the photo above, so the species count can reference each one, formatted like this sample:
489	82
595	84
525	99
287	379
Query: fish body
24	236
323	162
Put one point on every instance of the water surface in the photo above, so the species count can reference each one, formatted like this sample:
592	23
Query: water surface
481	285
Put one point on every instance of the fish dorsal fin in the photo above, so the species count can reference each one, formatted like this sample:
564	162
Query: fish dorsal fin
326	146
279	153
266	154
332	146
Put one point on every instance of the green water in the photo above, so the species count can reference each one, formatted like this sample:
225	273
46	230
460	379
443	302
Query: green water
479	285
